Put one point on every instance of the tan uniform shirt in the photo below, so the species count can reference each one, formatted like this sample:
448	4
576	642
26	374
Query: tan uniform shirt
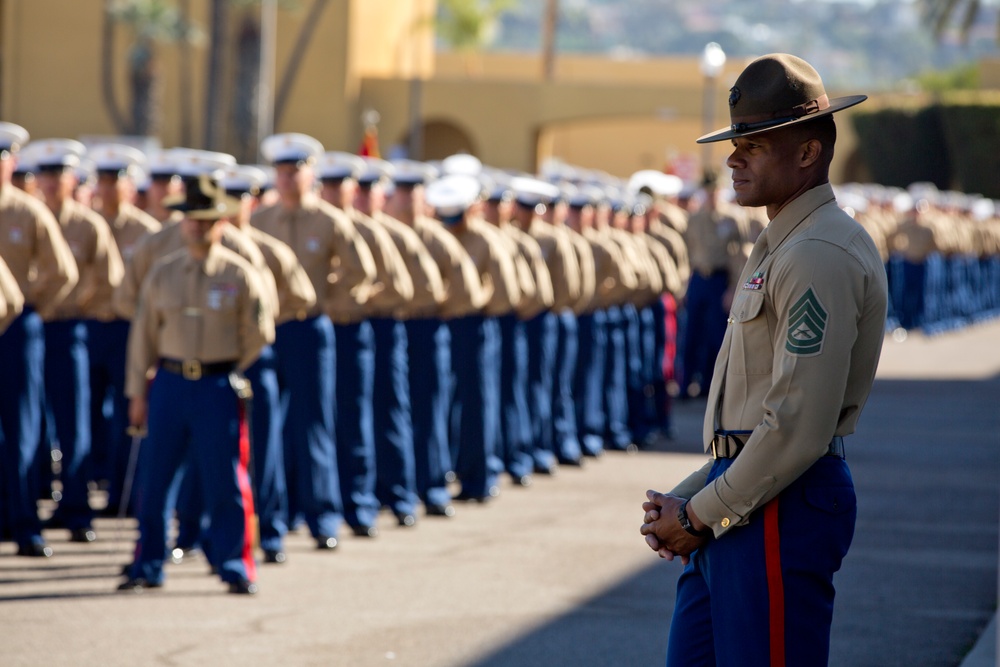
150	248
638	262
799	356
560	257
540	298
713	239
675	245
428	287
210	311
97	261
588	276
464	291
615	277
295	292
130	225
914	240
11	299
393	285
495	265
336	258
35	251
670	279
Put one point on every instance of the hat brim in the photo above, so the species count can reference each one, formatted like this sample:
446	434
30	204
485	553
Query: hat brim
224	209
836	104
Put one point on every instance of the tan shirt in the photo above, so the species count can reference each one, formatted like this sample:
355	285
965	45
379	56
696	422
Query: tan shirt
675	245
336	258
152	247
35	251
495	265
393	285
11	299
799	356
464	291
615	277
295	292
585	263
97	261
670	278
211	311
428	287
713	238
130	225
540	298
560	257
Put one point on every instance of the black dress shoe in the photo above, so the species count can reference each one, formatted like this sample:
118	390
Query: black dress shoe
243	587
326	543
543	470
137	584
274	556
491	493
84	535
572	463
34	550
406	519
364	531
522	480
447	511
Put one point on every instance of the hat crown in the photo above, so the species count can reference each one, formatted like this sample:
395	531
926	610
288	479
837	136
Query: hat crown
774	86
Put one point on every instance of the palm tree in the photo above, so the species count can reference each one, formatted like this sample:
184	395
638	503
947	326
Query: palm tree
469	25
940	14
151	22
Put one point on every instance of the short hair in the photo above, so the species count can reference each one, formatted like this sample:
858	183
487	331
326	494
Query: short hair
822	129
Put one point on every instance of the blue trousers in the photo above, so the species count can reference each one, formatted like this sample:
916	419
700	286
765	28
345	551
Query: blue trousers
589	381
197	424
662	336
268	455
395	479
542	332
766	589
353	418
305	362
911	311
515	422
22	356
617	435
565	440
704	329
67	394
107	344
475	354
430	397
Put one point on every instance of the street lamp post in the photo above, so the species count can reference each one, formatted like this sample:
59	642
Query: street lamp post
713	58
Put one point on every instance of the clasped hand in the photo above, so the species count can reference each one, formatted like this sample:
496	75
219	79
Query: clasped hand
663	531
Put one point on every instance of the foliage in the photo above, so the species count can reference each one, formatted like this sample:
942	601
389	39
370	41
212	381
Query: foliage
468	25
902	146
153	20
964	77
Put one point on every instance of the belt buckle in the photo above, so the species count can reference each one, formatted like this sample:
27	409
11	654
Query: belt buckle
715	447
191	369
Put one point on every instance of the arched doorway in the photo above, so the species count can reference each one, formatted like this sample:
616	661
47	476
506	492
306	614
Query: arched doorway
442	138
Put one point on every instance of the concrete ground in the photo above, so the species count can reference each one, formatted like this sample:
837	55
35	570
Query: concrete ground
557	574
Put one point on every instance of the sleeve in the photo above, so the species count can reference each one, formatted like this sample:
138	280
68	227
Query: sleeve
56	268
354	271
11	299
108	268
298	294
126	295
256	321
817	292
142	339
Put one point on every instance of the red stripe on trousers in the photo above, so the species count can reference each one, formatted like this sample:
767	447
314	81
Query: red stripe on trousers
775	585
243	480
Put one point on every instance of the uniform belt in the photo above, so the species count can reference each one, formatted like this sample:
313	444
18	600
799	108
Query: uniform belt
728	444
192	369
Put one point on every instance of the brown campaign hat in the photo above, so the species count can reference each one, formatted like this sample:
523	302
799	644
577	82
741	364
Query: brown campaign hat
203	199
774	91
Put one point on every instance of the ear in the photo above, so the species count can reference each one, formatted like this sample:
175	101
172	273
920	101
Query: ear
810	152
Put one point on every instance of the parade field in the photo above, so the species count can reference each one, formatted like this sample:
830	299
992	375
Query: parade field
557	573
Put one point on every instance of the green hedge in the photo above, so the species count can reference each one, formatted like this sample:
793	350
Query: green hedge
953	142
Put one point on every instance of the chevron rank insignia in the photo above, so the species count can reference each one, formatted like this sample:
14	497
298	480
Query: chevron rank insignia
806	325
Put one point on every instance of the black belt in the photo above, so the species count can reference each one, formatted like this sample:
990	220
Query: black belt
192	369
728	444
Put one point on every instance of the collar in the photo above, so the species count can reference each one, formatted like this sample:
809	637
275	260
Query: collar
795	212
211	265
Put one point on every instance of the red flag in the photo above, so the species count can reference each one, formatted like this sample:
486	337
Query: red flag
369	144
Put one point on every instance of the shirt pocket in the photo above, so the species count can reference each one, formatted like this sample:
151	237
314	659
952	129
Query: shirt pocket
751	352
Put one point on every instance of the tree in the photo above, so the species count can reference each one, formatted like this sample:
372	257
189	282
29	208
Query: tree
940	14
469	25
151	22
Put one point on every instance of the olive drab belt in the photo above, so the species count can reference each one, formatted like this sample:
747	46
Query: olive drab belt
728	444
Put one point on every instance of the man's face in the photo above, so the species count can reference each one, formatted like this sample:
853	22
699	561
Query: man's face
765	168
56	186
292	181
200	232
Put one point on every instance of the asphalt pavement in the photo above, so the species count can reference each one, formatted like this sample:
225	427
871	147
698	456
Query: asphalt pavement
557	573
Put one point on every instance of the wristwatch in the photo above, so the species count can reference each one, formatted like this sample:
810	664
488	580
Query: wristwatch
682	517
